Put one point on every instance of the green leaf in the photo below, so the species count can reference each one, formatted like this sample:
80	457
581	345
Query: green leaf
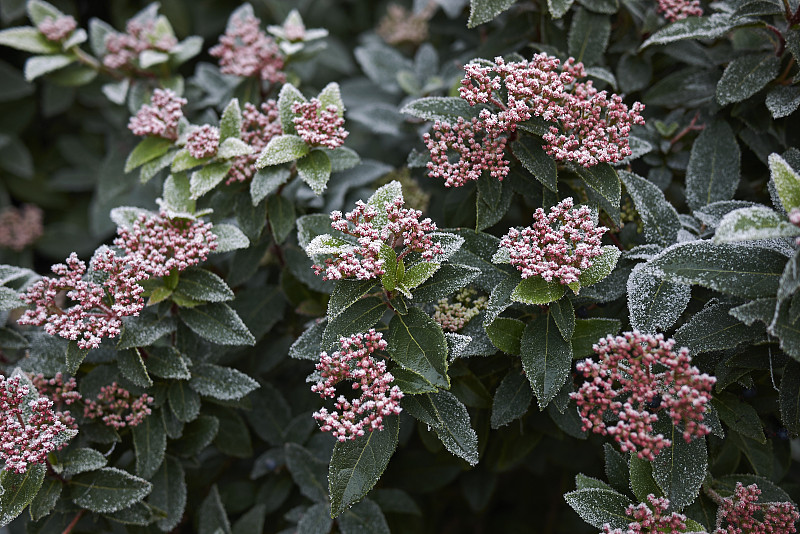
288	96
417	343
280	211
493	201
598	506
316	518
757	222
681	468
512	398
505	334
419	273
558	8
770	492
449	418
40	65
660	219
9	299
197	435
267	181
739	416
282	149
733	269
411	383
28	39
253	521
218	323
207	178
107	490
714	166
787	182
713	328
590	331
641	479
782	101
331	95
308	472
440	108
212	518
530	153
230	124
82	460
588	36
17	490
229	237
132	367
546	357
603	186
616	468
537	290
183	401
169	493
691	28
75	357
204	285
745	76
790	397
448	279
148	149
177	195
481	11
224	383
601	267
315	169
365	517
233	438
233	147
356	465
150	444
144	330
654	304
46	499
564	315
358	318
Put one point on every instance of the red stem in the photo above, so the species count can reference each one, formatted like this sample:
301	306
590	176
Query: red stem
73	522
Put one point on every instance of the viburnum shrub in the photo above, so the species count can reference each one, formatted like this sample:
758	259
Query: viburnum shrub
304	267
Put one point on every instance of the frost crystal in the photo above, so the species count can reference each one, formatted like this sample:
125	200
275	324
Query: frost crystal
123	49
160	118
244	50
741	513
625	371
117	408
258	127
19	227
57	29
559	245
355	362
651	519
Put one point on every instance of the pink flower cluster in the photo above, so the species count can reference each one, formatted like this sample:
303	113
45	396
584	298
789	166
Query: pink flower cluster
794	218
319	127
363	261
19	227
162	244
28	428
378	398
592	127
123	49
625	371
98	308
160	118
245	50
258	127
679	9
651	519
203	142
61	392
559	245
117	407
741	513
57	29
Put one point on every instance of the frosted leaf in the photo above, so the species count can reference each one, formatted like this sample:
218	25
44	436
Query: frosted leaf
125	216
685	236
108	490
310	226
282	149
748	224
229	237
331	95
387	193
230	124
680	469
782	101
598	506
689	223
639	147
381	63
481	11
477	251
503	255
40	65
714	166
661	223
169	493
365	517
786	181
448	417
440	108
457	344
653	304
17	490
224	383
714	328
745	76
692	28
217	323
713	213
327	244
233	148
642	252
449	243
511	399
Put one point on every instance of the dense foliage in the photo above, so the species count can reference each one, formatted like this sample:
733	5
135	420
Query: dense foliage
356	266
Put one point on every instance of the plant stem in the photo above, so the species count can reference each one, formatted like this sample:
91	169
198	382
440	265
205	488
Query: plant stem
73	522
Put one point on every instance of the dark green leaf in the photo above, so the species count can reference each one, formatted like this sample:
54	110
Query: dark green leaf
660	219
604	187
107	490
449	418
82	460
745	76
739	416
481	11
599	506
790	397
511	400
713	328
358	318
714	166
218	323
448	279
588	36
364	518
201	284
183	401
212	518
224	383
347	292
506	334
150	444
18	490
641	479
281	217
530	153
680	469
417	343
564	315
308	472
315	169
45	499
144	330
438	108
546	357
132	367
197	435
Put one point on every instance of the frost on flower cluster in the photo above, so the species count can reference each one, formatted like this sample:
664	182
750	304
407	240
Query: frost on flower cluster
378	398
741	513
162	245
651	519
98	308
29	428
57	29
123	49
625	383
317	126
559	245
589	126
62	392
245	50
160	118
363	261
258	127
679	9
116	407
454	315
19	227
203	142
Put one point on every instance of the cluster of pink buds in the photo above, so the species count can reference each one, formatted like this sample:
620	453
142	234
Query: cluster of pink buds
319	127
123	49
159	118
245	50
651	519
98	308
741	513
559	245
203	142
28	428
61	392
679	9
363	261
625	371
794	218
162	244
454	315
19	227
57	29
117	407
378	398
258	127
